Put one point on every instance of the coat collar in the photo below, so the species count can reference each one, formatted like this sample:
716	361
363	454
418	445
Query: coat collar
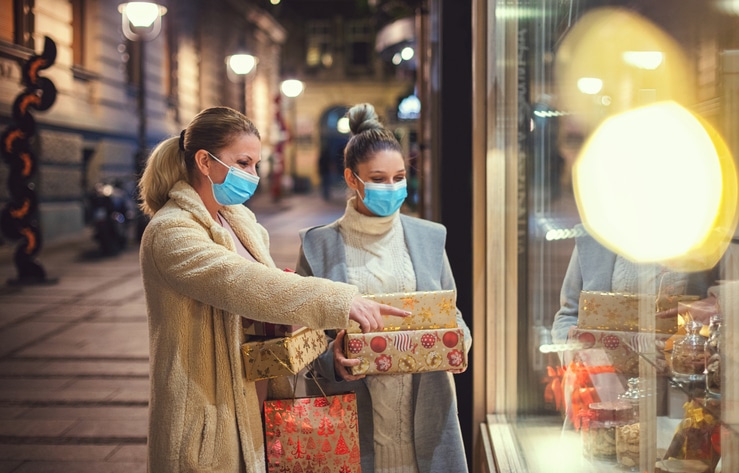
242	220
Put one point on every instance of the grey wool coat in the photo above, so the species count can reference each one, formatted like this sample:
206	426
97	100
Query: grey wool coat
438	437
591	269
203	415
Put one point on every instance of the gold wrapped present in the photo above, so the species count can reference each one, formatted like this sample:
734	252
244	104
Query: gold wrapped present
274	357
429	310
622	348
406	351
620	311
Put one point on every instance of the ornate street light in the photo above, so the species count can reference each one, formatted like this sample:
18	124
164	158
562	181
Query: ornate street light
141	21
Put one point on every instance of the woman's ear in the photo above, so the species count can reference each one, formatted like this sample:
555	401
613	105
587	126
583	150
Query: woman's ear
203	162
351	179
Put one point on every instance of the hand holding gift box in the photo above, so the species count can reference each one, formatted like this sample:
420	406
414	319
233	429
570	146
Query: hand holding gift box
427	340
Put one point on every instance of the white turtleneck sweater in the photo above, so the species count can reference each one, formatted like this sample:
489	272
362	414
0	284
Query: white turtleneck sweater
378	262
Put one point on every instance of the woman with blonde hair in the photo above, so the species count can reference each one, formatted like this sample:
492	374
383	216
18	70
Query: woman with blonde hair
206	267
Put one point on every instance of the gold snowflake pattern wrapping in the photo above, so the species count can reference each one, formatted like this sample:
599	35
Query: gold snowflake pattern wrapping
620	311
274	357
429	310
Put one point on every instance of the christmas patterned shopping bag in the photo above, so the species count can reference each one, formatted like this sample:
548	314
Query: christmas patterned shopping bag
312	435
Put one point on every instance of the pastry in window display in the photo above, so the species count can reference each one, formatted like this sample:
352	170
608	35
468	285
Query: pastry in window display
599	425
688	354
713	357
627	435
698	435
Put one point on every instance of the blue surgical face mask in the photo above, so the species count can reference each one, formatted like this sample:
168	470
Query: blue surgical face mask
237	188
383	199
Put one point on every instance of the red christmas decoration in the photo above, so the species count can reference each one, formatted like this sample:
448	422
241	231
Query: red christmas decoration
341	448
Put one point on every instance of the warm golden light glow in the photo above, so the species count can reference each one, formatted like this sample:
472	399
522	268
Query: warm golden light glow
657	184
636	62
241	64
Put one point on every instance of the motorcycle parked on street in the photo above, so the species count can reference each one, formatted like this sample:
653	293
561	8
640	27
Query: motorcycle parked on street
114	214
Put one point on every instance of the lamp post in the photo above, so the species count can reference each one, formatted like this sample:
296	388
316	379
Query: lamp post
141	22
239	66
291	88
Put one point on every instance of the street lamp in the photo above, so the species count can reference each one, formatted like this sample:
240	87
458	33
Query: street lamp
140	22
239	66
291	88
241	63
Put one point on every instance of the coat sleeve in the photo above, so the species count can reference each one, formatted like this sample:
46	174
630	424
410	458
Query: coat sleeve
569	299
447	283
184	256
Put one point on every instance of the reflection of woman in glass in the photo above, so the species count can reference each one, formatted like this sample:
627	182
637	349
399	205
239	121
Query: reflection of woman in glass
407	422
594	268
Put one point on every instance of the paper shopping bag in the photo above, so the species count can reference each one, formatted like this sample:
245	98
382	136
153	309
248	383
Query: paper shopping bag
318	434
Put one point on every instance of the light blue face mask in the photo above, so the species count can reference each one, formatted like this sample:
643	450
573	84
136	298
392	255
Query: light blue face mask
237	188
383	199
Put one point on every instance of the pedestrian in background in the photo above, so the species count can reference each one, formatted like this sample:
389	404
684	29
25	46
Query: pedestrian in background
206	265
408	423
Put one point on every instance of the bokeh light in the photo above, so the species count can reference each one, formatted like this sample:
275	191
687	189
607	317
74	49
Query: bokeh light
658	184
613	60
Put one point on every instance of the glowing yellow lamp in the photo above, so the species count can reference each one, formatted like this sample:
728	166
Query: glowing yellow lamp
658	184
614	60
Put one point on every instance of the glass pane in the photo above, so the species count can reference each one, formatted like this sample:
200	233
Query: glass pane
626	120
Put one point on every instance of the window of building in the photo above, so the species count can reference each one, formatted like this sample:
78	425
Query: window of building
359	40
16	22
78	32
319	50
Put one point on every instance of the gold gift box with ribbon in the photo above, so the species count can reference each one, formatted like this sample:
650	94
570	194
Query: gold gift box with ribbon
274	357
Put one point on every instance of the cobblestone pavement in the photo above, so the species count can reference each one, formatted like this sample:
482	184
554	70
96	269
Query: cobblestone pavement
74	382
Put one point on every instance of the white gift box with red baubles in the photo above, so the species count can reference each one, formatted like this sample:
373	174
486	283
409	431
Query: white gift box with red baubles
428	340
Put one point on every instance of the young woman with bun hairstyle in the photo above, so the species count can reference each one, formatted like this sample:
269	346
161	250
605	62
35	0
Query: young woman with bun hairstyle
408	423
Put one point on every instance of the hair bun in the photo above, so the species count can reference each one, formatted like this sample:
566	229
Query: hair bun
362	117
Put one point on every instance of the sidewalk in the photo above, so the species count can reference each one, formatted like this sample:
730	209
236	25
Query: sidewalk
74	355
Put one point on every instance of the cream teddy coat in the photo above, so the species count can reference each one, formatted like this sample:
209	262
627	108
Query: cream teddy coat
203	415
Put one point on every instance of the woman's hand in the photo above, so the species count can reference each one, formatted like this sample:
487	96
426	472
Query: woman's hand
368	313
342	363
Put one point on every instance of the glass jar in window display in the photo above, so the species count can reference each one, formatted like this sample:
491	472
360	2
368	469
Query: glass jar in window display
688	354
713	357
599	426
627	435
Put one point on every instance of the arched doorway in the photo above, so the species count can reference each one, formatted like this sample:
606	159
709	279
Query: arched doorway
331	150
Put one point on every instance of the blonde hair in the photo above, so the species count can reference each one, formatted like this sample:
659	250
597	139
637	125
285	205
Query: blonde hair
213	129
369	136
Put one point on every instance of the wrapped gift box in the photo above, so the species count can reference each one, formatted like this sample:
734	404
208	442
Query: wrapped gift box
429	310
620	311
406	351
274	357
622	348
266	329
